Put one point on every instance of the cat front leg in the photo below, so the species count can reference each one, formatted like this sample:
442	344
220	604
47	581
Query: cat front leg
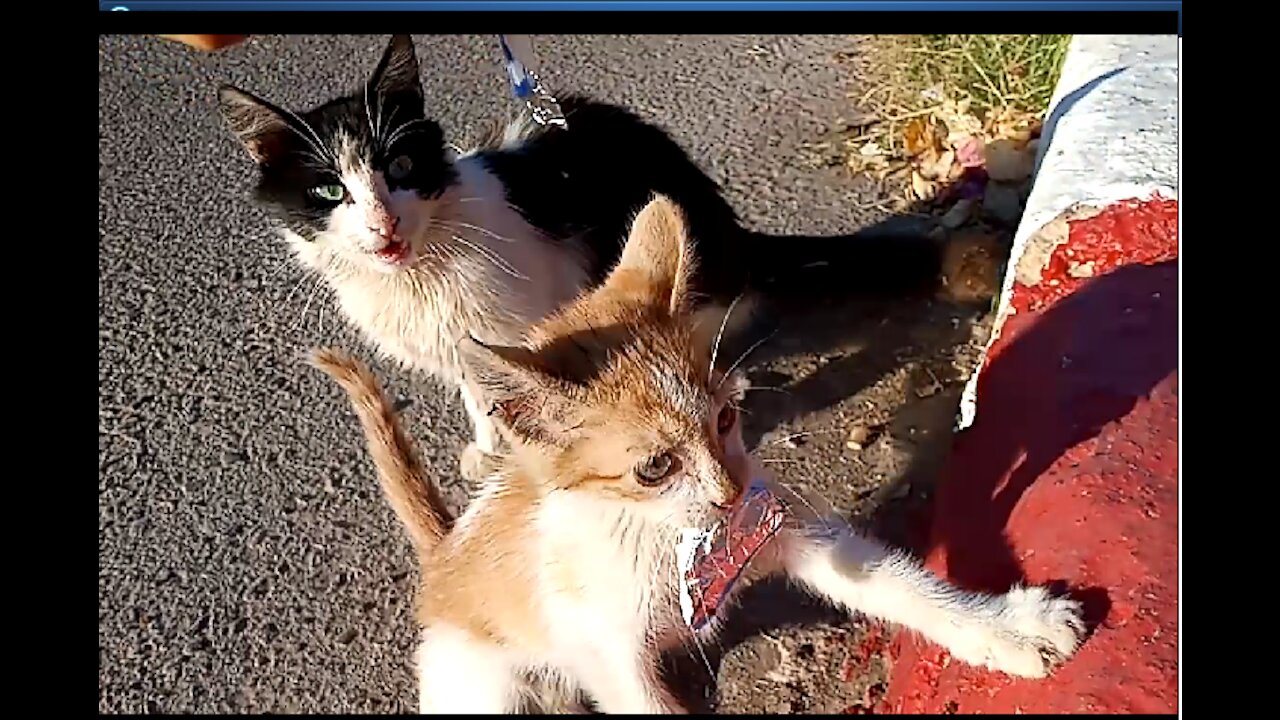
624	680
1025	632
458	674
477	459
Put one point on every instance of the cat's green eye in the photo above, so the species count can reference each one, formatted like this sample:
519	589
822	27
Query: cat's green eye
656	469
329	193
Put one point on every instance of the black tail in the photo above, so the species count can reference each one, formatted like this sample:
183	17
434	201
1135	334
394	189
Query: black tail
871	263
886	260
589	182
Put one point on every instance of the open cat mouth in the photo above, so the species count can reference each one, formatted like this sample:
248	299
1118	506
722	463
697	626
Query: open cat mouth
395	253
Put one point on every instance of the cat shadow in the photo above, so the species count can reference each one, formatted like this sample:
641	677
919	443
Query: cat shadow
1082	364
850	335
826	355
1113	363
775	603
1111	360
760	608
867	337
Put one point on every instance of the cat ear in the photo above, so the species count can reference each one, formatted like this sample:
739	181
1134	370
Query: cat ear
657	259
397	72
259	125
522	395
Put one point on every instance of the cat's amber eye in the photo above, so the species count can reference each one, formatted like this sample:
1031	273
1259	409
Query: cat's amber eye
400	167
329	193
656	469
727	417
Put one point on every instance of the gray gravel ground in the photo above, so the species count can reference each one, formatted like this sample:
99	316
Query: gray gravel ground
246	560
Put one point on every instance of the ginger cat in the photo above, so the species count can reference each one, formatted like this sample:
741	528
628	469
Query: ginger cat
623	432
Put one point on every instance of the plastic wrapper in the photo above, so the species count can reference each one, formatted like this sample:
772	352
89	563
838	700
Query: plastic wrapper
710	560
517	53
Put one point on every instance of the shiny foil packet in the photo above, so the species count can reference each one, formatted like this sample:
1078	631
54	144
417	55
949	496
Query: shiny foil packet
710	560
517	55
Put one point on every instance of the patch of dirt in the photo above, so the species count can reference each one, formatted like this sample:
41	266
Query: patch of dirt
856	400
776	673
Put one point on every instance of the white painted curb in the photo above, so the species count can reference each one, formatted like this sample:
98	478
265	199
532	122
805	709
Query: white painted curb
1111	135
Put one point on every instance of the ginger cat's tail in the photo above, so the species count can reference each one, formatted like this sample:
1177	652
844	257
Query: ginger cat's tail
414	499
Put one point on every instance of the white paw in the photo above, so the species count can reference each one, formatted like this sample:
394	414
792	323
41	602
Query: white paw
1033	633
476	464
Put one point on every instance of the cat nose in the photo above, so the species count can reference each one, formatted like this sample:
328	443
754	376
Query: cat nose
728	495
385	229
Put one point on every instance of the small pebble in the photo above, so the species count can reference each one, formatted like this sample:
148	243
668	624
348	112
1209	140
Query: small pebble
231	457
1002	203
1080	270
858	436
958	214
1005	161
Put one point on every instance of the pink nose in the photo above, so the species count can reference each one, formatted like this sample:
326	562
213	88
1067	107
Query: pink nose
385	227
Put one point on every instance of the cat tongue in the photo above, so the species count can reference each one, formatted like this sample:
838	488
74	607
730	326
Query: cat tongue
711	560
394	251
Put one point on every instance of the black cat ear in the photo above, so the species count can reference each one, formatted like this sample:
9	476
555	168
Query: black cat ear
259	125
397	72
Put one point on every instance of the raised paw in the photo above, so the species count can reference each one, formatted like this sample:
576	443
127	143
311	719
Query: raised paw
1032	633
476	464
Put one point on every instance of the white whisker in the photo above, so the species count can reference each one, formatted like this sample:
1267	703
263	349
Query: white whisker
743	356
715	348
281	265
367	113
302	316
455	224
498	262
753	388
316	143
820	517
294	289
404	130
391	118
377	112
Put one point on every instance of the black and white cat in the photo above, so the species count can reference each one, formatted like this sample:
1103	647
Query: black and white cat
422	247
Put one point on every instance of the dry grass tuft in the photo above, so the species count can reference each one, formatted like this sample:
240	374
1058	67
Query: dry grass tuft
952	125
997	72
981	79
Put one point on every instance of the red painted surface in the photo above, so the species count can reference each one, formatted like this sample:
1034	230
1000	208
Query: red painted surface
1069	473
873	644
1126	233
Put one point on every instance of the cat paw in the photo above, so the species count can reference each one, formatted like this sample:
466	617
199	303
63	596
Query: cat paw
476	464
1033	634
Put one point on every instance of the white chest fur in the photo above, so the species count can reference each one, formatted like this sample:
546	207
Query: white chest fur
491	275
604	575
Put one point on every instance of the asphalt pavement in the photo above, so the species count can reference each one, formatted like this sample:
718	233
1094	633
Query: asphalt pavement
246	559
